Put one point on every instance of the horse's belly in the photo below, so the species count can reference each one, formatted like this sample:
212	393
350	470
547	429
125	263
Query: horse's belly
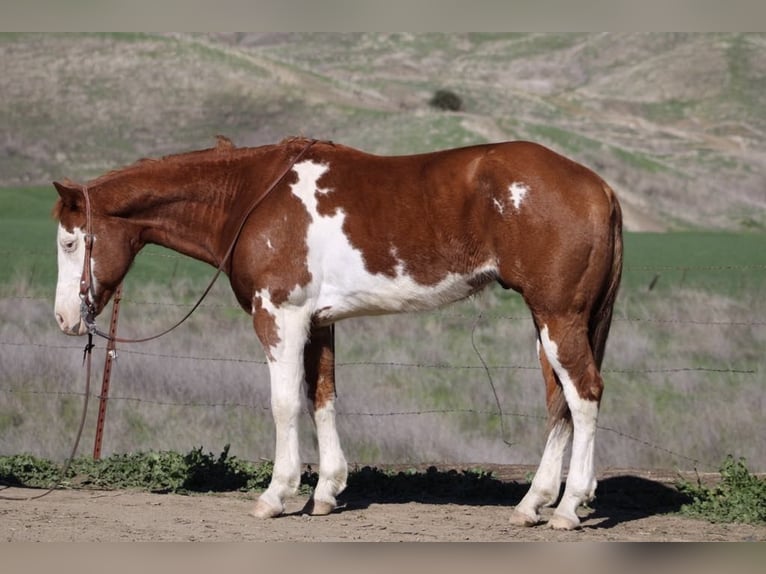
369	294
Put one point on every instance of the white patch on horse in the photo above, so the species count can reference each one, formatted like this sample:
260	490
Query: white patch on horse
499	206
342	287
333	469
544	490
518	192
71	254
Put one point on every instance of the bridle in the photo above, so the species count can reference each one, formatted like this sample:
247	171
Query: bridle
87	291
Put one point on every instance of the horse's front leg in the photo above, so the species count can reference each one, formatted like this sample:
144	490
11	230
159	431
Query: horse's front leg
319	360
283	332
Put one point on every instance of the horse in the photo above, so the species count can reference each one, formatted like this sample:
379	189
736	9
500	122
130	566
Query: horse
312	232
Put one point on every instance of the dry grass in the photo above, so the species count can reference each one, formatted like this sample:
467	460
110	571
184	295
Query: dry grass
411	388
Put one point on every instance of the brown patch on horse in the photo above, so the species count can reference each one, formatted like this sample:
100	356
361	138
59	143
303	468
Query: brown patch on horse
319	363
265	327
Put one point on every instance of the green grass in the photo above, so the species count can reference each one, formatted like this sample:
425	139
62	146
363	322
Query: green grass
719	262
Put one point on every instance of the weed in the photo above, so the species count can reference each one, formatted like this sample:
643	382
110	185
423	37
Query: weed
739	497
164	471
27	470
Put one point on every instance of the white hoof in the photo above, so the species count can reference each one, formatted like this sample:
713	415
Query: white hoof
264	510
559	522
518	518
318	507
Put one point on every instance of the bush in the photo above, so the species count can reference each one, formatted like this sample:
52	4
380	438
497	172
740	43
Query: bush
164	471
446	100
739	497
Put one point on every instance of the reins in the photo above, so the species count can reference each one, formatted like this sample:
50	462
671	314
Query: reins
88	308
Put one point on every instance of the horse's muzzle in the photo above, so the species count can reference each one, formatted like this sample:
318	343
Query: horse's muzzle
79	328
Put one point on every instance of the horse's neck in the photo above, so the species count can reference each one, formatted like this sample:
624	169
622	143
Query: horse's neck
187	214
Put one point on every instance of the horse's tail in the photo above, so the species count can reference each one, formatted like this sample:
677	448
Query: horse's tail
601	315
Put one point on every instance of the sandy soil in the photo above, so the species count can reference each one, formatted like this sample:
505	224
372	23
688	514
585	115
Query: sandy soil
635	506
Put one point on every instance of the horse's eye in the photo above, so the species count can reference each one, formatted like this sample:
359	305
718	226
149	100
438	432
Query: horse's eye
69	245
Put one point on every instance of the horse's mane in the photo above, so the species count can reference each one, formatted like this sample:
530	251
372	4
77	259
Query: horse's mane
224	149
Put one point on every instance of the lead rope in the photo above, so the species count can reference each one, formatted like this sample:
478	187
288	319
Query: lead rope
86	359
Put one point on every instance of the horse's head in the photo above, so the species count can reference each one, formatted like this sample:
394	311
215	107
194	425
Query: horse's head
85	287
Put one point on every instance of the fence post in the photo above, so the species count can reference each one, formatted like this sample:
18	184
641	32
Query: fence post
111	354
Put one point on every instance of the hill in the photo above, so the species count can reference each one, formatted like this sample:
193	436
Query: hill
675	122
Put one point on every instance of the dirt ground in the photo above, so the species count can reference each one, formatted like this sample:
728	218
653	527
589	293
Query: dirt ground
634	506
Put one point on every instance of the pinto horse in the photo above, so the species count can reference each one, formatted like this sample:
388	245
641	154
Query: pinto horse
312	232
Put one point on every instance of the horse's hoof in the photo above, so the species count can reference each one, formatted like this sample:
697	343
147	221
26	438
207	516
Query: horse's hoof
518	518
318	507
264	510
559	522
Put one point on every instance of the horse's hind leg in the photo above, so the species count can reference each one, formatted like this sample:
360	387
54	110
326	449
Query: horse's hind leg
567	349
319	358
544	490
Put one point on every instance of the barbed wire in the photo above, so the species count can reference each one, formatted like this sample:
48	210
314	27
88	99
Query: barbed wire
392	364
264	407
755	322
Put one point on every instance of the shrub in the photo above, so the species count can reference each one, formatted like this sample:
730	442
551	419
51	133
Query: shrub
163	471
739	497
446	100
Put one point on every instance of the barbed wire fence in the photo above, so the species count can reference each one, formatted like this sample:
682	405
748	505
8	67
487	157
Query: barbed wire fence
27	389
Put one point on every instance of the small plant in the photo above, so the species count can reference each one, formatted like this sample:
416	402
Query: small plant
27	470
739	497
164	471
446	100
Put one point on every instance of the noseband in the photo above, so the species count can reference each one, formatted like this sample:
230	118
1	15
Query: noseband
87	291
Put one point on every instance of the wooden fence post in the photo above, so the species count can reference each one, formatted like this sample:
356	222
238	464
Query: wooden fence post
111	355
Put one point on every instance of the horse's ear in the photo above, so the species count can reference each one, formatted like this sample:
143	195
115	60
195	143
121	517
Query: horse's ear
70	197
70	193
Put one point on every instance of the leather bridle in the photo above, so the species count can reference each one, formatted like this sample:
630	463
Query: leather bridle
87	292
